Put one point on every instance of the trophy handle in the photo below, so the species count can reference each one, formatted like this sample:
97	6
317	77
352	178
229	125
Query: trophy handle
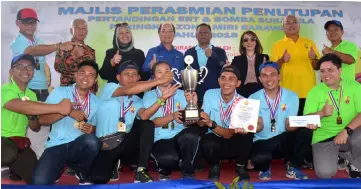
175	71
200	74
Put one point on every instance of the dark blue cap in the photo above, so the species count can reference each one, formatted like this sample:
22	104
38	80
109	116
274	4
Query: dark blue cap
22	57
269	64
129	64
336	22
233	69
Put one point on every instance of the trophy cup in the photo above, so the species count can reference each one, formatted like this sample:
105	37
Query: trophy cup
190	81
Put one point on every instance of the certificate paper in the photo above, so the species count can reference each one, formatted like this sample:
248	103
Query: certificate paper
302	121
245	114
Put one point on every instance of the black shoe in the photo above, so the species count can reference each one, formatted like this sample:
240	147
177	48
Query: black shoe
83	179
187	175
215	172
353	172
142	176
242	172
14	177
115	175
70	171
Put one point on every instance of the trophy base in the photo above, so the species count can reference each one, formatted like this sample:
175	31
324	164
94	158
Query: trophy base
190	114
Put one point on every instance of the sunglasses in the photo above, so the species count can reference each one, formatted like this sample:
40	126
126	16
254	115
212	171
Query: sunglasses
29	23
122	24
245	40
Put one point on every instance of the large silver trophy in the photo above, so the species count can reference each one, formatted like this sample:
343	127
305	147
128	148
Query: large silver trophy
190	81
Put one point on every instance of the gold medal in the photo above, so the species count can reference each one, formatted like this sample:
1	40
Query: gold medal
76	125
165	126
121	127
25	98
172	125
339	120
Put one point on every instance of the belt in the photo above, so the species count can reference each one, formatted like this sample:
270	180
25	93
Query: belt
40	90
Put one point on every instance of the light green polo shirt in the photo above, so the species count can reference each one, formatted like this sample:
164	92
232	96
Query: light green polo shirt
347	47
350	107
12	123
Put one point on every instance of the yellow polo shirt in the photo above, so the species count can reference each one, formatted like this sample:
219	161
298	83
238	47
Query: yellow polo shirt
297	75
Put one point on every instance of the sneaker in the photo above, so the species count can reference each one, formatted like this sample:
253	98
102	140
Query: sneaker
215	172
307	165
266	175
142	176
294	173
83	179
163	177
342	164
242	172
115	175
14	177
353	172
70	171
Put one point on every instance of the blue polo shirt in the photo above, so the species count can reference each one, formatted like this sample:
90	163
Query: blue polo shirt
288	107
180	102
173	57
63	131
108	113
201	55
211	106
18	47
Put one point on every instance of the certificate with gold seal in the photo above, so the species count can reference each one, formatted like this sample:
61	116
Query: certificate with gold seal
245	114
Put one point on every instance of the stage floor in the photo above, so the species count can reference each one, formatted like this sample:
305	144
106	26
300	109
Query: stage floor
227	175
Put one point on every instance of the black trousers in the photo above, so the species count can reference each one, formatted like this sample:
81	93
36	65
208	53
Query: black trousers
216	148
292	146
183	146
308	155
137	144
248	89
21	162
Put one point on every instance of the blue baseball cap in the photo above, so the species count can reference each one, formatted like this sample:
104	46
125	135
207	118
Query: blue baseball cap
129	64
17	58
336	22
269	64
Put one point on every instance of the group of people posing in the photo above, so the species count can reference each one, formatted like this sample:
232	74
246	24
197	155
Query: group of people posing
137	117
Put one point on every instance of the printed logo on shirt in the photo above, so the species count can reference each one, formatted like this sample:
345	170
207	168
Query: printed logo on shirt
132	109
178	105
306	45
347	99
284	107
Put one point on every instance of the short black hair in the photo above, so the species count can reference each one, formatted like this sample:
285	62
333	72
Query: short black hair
160	27
336	60
90	63
204	24
159	63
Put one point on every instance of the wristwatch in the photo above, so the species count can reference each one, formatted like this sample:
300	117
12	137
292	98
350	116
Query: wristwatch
33	117
349	131
214	125
160	102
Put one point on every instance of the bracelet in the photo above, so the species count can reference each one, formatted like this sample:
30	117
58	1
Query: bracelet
160	102
33	117
58	46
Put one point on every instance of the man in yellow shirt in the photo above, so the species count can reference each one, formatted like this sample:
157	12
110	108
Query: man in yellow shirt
297	57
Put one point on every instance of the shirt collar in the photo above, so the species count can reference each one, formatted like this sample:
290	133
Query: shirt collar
235	94
163	47
329	89
342	42
73	40
22	37
199	48
15	87
285	38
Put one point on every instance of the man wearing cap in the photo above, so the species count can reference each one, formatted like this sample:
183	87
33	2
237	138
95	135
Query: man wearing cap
220	141
207	55
121	105
338	103
346	50
26	20
277	137
20	109
71	140
165	51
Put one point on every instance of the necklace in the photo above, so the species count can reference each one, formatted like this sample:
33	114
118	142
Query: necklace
251	58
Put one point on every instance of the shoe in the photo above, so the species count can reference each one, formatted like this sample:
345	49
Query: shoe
115	175
14	177
307	165
70	171
295	173
187	176
142	176
241	171
215	172
352	171
342	164
83	179
266	175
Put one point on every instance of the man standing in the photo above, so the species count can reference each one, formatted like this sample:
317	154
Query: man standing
207	55
220	141
338	103
20	110
346	50
165	51
277	137
71	140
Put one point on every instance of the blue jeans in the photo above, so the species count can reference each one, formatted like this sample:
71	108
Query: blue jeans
78	154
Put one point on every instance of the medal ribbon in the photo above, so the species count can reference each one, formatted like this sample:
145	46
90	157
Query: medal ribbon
273	108
169	106
84	104
225	116
124	111
337	106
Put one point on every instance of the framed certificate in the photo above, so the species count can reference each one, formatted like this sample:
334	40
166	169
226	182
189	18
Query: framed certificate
245	114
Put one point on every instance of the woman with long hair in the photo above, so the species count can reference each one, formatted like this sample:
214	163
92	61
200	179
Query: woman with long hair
248	63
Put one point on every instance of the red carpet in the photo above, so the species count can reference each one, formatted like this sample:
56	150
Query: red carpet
227	175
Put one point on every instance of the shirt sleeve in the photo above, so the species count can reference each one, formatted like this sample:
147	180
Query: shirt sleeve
148	99
147	61
315	49
6	96
293	106
275	54
54	97
311	104
207	103
17	48
254	96
351	49
108	91
357	98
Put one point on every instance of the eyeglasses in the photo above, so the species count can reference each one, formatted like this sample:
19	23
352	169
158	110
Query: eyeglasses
122	24
30	23
245	40
22	67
